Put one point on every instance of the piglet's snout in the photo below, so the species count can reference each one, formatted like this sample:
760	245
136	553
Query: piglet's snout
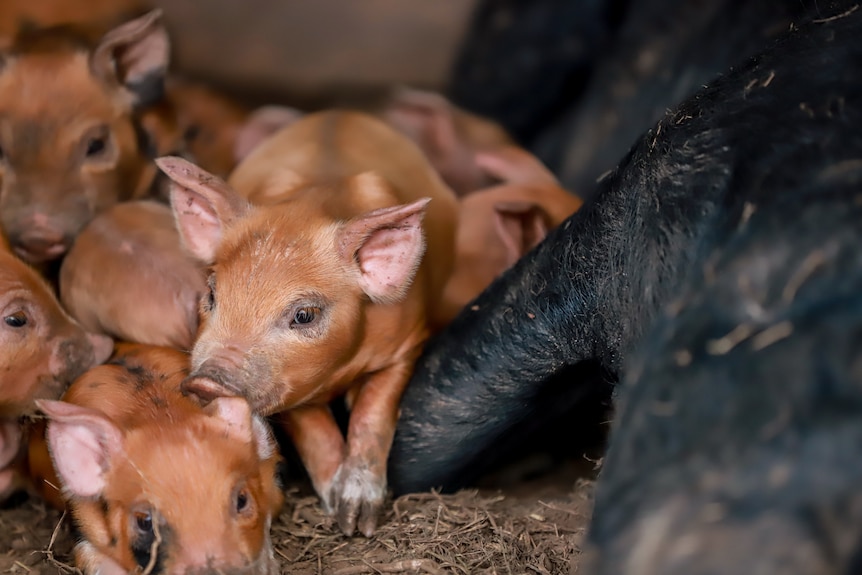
213	377
204	389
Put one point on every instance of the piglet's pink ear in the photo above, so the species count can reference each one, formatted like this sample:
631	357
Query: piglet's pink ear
83	443
135	55
514	165
521	226
387	245
426	118
203	205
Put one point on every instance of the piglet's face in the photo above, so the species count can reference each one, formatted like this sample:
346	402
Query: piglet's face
68	148
41	349
284	316
191	496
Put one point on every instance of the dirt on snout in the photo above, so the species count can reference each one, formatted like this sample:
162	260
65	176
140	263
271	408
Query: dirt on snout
531	526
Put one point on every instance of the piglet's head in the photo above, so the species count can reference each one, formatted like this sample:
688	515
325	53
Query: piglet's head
194	495
41	348
68	146
289	288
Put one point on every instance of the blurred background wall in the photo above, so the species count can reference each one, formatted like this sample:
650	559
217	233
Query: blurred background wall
315	52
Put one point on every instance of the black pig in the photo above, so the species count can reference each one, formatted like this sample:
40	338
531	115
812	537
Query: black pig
764	144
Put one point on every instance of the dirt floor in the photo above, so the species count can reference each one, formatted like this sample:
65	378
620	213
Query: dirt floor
529	526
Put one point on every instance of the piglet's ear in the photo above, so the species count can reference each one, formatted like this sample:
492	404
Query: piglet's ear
521	226
235	415
203	205
514	165
424	117
135	55
387	245
10	441
83	443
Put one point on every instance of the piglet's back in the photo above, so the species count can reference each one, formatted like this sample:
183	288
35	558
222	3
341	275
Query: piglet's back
327	147
136	404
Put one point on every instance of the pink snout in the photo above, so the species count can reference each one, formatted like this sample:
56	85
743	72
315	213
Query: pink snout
40	245
213	377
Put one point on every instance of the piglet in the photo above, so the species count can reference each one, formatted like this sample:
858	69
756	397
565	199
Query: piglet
450	136
128	276
201	124
43	350
154	481
68	145
498	225
328	247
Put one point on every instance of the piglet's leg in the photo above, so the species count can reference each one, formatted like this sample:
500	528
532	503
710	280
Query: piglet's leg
317	438
91	562
359	486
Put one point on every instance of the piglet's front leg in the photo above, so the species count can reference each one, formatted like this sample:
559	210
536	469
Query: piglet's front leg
320	445
355	490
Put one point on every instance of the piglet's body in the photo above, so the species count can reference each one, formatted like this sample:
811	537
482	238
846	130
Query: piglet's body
68	145
157	483
320	288
200	124
41	351
450	136
498	225
127	275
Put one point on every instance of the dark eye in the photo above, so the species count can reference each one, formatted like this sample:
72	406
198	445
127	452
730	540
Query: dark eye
95	147
305	315
2	155
144	522
209	298
17	319
192	133
241	500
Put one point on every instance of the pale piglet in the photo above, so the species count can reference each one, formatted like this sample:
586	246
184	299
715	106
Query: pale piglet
41	351
450	136
328	247
68	144
156	483
128	276
500	224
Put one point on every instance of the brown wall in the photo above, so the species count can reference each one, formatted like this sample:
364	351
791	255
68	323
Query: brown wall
312	49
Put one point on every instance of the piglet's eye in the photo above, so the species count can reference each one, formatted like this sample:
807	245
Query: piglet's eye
191	133
209	300
144	522
242	500
95	147
17	319
304	316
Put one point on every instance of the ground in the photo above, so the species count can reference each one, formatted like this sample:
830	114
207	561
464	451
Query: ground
521	526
